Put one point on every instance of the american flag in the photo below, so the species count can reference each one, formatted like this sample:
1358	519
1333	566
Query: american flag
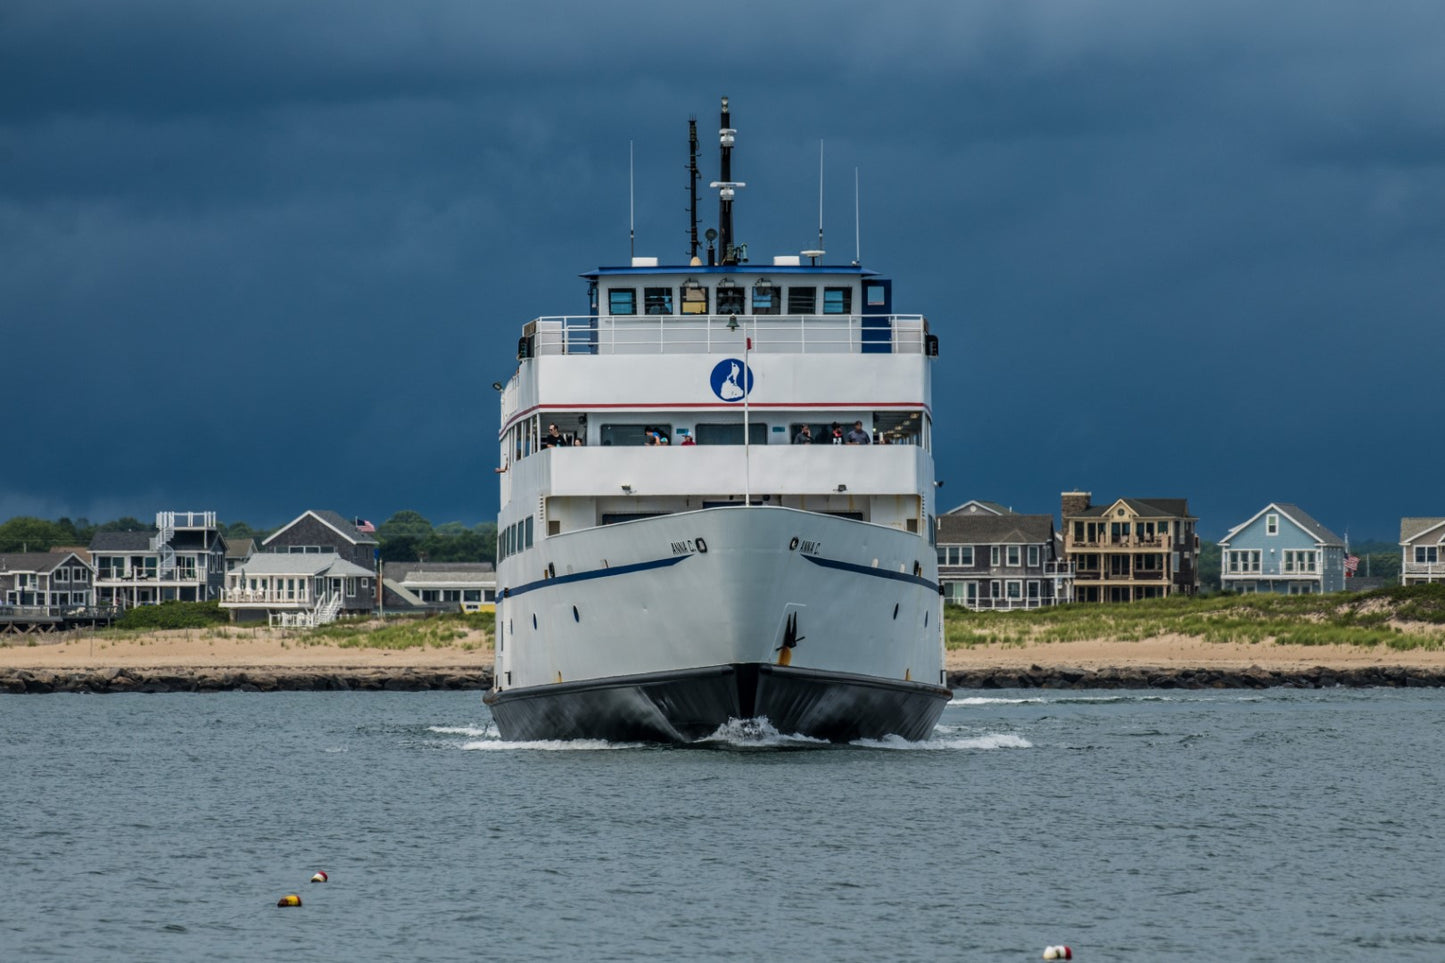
363	526
1352	563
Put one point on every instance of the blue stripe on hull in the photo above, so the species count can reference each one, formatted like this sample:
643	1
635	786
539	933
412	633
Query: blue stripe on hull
592	574
871	570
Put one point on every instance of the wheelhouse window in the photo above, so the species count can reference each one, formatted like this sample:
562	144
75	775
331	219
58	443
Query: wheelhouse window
694	298
622	300
657	300
802	300
767	298
837	300
730	299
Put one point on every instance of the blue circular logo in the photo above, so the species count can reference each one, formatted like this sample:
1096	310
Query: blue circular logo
729	380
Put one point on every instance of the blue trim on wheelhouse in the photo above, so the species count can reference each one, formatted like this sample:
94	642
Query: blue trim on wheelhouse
870	570
592	574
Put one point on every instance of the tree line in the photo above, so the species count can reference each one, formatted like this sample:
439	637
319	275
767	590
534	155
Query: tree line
406	536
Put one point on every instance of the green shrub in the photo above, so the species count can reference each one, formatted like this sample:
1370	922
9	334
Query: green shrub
173	615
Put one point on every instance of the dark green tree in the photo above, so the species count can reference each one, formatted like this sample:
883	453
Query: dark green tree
402	536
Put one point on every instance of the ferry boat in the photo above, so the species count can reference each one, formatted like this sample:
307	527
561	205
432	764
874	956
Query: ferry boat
717	501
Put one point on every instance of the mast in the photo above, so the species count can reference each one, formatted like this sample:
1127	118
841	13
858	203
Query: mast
692	176
726	187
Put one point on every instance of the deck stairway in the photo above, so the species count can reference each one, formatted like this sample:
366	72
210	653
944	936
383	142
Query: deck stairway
165	533
324	613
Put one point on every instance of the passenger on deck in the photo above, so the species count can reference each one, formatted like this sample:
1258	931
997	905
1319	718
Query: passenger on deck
835	435
858	436
553	438
804	436
687	438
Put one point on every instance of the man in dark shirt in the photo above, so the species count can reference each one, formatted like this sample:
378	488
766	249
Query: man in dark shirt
804	436
858	436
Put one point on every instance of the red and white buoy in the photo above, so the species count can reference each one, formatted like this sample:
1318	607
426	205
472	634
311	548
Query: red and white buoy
320	877
1059	952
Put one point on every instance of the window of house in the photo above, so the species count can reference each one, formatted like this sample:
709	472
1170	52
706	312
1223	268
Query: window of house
993	555
657	300
767	299
1034	589
1013	556
995	589
802	300
1426	555
970	592
1033	556
622	300
1015	589
730	299
62	575
1271	524
965	554
837	300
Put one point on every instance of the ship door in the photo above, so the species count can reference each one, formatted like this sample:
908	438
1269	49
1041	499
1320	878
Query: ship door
877	324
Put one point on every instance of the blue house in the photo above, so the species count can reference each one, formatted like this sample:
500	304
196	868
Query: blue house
1283	550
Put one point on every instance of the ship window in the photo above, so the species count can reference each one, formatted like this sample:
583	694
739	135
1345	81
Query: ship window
730	298
820	430
694	298
529	531
657	300
622	300
766	298
731	434
837	300
802	300
634	435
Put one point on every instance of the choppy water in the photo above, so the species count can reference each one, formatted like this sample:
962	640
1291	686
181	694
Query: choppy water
1141	826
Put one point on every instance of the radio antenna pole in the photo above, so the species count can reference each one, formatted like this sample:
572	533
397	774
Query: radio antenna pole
692	176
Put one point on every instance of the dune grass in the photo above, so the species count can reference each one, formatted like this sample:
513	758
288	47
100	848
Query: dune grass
1398	617
436	630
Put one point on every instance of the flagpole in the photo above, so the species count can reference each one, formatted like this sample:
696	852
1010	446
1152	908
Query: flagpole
747	431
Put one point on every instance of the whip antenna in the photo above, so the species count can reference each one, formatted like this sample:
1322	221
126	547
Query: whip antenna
631	208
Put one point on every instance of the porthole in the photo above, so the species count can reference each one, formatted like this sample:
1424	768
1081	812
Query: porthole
793	545
701	546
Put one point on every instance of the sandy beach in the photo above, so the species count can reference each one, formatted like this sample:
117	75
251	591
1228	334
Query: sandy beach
275	648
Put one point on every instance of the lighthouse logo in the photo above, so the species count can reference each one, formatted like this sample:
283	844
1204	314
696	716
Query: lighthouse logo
731	380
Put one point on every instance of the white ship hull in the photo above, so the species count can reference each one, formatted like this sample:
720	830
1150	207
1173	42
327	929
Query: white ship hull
667	627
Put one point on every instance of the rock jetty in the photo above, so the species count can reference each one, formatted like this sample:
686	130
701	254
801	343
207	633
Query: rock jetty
251	679
412	679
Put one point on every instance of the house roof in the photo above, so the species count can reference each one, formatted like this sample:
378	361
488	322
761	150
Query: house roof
343	526
309	564
1147	507
1294	513
241	548
416	573
995	529
977	506
1413	528
37	562
121	542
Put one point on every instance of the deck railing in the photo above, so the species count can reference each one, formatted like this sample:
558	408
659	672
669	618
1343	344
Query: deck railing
715	334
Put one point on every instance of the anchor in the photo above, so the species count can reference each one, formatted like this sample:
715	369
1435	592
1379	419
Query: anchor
791	638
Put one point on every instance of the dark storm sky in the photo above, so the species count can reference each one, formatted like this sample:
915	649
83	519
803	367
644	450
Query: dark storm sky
265	257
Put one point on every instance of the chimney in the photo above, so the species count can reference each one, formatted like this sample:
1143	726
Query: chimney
1073	503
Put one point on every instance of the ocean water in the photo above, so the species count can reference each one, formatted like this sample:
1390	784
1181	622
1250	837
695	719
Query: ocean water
1216	825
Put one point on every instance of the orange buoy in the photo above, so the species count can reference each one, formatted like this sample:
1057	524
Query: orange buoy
290	899
320	877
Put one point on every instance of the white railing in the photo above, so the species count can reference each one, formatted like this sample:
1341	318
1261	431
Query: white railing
713	334
265	596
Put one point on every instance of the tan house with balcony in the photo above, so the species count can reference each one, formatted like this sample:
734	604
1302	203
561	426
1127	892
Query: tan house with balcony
1130	549
1422	546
